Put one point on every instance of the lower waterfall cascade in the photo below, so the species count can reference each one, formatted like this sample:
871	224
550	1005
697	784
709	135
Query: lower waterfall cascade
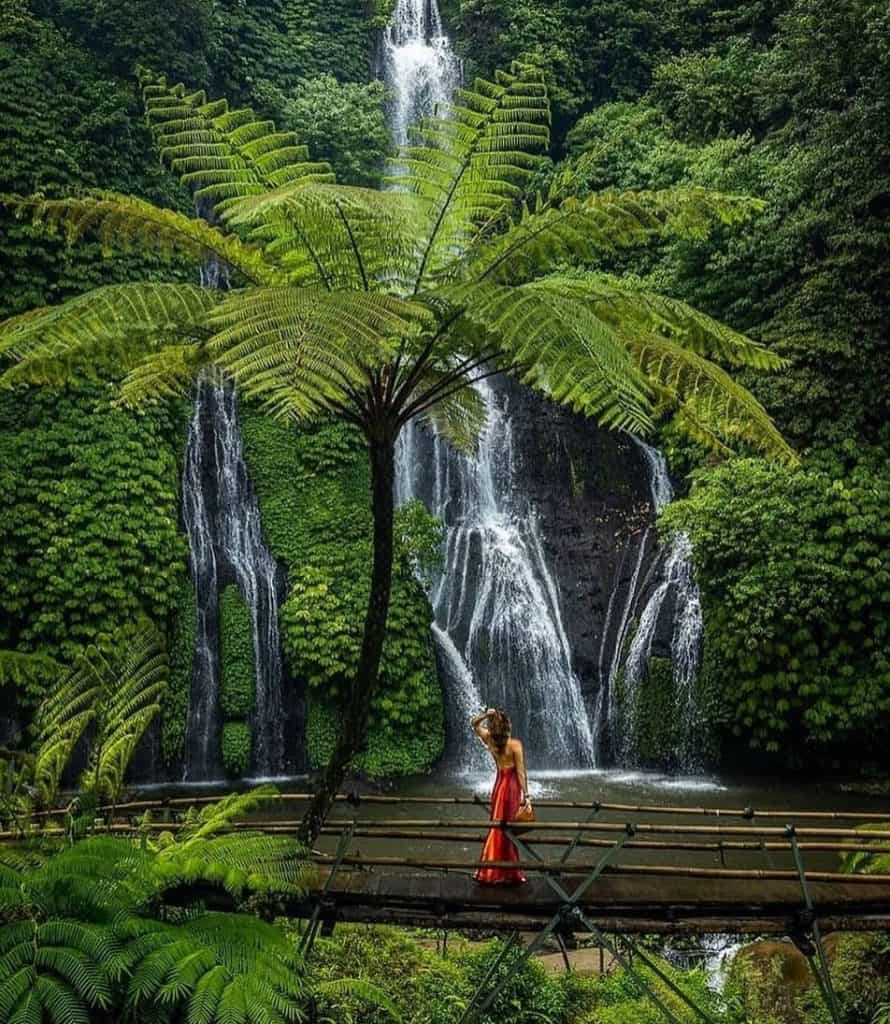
497	601
675	594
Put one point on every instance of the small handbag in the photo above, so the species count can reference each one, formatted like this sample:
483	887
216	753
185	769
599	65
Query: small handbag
525	814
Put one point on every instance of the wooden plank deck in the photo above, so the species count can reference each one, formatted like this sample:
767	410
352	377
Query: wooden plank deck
614	903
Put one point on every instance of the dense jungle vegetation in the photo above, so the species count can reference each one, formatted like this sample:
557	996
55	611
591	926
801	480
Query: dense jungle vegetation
784	101
787	101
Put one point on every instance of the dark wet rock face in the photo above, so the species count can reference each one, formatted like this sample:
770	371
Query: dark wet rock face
592	494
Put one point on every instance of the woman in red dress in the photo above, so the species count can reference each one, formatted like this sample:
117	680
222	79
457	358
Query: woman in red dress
509	794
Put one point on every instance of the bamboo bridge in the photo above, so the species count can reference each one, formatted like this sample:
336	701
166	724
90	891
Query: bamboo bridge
606	869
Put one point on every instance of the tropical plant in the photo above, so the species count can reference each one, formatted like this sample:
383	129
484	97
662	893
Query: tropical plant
383	307
111	698
105	929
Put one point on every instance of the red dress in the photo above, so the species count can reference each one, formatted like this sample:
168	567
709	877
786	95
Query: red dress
506	798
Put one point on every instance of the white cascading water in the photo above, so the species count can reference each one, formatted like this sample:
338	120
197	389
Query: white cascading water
498	625
677	582
419	65
222	521
496	604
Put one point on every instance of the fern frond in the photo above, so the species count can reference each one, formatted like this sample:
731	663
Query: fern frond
669	342
215	967
337	237
539	239
126	223
559	345
240	862
458	416
341	989
132	684
304	351
215	818
472	164
119	323
223	155
118	695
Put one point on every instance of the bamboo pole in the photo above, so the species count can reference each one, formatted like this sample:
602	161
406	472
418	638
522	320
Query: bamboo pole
560	868
747	813
713	847
440	831
616	827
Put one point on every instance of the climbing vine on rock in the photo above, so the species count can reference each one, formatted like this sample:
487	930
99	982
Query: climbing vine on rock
88	519
795	573
238	680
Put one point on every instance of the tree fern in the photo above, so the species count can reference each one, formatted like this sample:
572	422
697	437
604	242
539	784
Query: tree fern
116	697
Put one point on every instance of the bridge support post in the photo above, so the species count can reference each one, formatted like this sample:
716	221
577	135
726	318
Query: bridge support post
560	918
575	913
308	938
813	950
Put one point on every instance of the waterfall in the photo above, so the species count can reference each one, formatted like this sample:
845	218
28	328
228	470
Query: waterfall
222	519
498	626
498	622
419	65
677	582
202	756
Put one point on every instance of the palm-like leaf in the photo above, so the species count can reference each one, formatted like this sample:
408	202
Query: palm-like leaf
228	968
55	970
117	696
302	351
555	232
222	154
124	223
117	325
470	165
336	237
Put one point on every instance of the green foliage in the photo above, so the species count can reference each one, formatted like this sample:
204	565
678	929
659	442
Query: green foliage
342	123
589	53
312	486
237	695
793	569
67	127
237	745
175	700
112	698
618	1000
238	684
173	35
88	519
88	933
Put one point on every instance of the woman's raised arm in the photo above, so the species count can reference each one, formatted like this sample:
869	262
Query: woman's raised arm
478	728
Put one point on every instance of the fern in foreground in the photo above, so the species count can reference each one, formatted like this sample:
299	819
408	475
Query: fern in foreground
106	928
115	697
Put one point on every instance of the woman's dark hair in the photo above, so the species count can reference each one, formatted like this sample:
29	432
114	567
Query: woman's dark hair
499	727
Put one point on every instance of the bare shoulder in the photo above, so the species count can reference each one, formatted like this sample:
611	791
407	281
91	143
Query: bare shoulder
516	746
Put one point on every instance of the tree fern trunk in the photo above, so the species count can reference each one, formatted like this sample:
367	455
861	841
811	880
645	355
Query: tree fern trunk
354	715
